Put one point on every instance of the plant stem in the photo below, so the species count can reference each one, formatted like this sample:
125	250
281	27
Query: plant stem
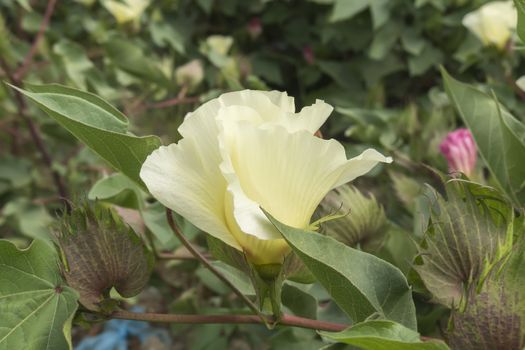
16	79
286	320
173	102
28	59
199	256
37	138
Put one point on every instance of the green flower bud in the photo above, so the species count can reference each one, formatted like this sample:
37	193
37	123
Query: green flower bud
364	224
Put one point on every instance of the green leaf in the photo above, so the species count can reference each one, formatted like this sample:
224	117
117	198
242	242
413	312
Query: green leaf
74	60
299	302
30	219
16	172
428	58
383	335
412	41
100	252
520	6
117	189
384	40
154	216
36	306
499	136
130	58
163	32
345	9
361	284
380	10
96	123
239	279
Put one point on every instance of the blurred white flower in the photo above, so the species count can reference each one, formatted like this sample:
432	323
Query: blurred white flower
493	23
219	44
246	150
190	74
126	10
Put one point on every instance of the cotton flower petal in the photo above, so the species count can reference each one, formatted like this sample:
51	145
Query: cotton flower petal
273	108
258	251
281	100
311	118
253	99
185	177
360	165
286	174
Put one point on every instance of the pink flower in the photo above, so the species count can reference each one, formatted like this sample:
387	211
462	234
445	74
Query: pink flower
460	150
308	54
255	27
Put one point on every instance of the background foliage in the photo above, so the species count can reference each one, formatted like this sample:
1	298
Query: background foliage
376	61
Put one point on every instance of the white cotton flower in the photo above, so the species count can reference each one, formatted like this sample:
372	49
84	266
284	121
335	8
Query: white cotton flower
219	44
190	74
493	23
248	150
126	10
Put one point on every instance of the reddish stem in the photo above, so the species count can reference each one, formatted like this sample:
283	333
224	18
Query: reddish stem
286	320
28	59
173	102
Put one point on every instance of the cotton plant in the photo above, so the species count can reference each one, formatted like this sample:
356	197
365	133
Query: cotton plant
282	226
250	171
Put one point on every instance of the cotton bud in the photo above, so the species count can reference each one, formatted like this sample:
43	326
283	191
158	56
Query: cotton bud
460	150
365	222
100	252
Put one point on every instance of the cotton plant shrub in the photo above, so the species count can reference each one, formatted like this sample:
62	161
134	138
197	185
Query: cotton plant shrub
386	213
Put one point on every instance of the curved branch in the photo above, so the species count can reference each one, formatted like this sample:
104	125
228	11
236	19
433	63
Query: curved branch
286	320
37	138
199	256
28	59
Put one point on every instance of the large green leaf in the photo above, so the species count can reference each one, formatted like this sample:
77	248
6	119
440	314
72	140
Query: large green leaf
499	136
96	123
36	307
299	302
360	283
383	335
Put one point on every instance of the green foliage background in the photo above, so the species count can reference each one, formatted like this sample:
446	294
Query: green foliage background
376	61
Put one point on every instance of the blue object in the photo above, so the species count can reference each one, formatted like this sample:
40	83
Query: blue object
117	332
